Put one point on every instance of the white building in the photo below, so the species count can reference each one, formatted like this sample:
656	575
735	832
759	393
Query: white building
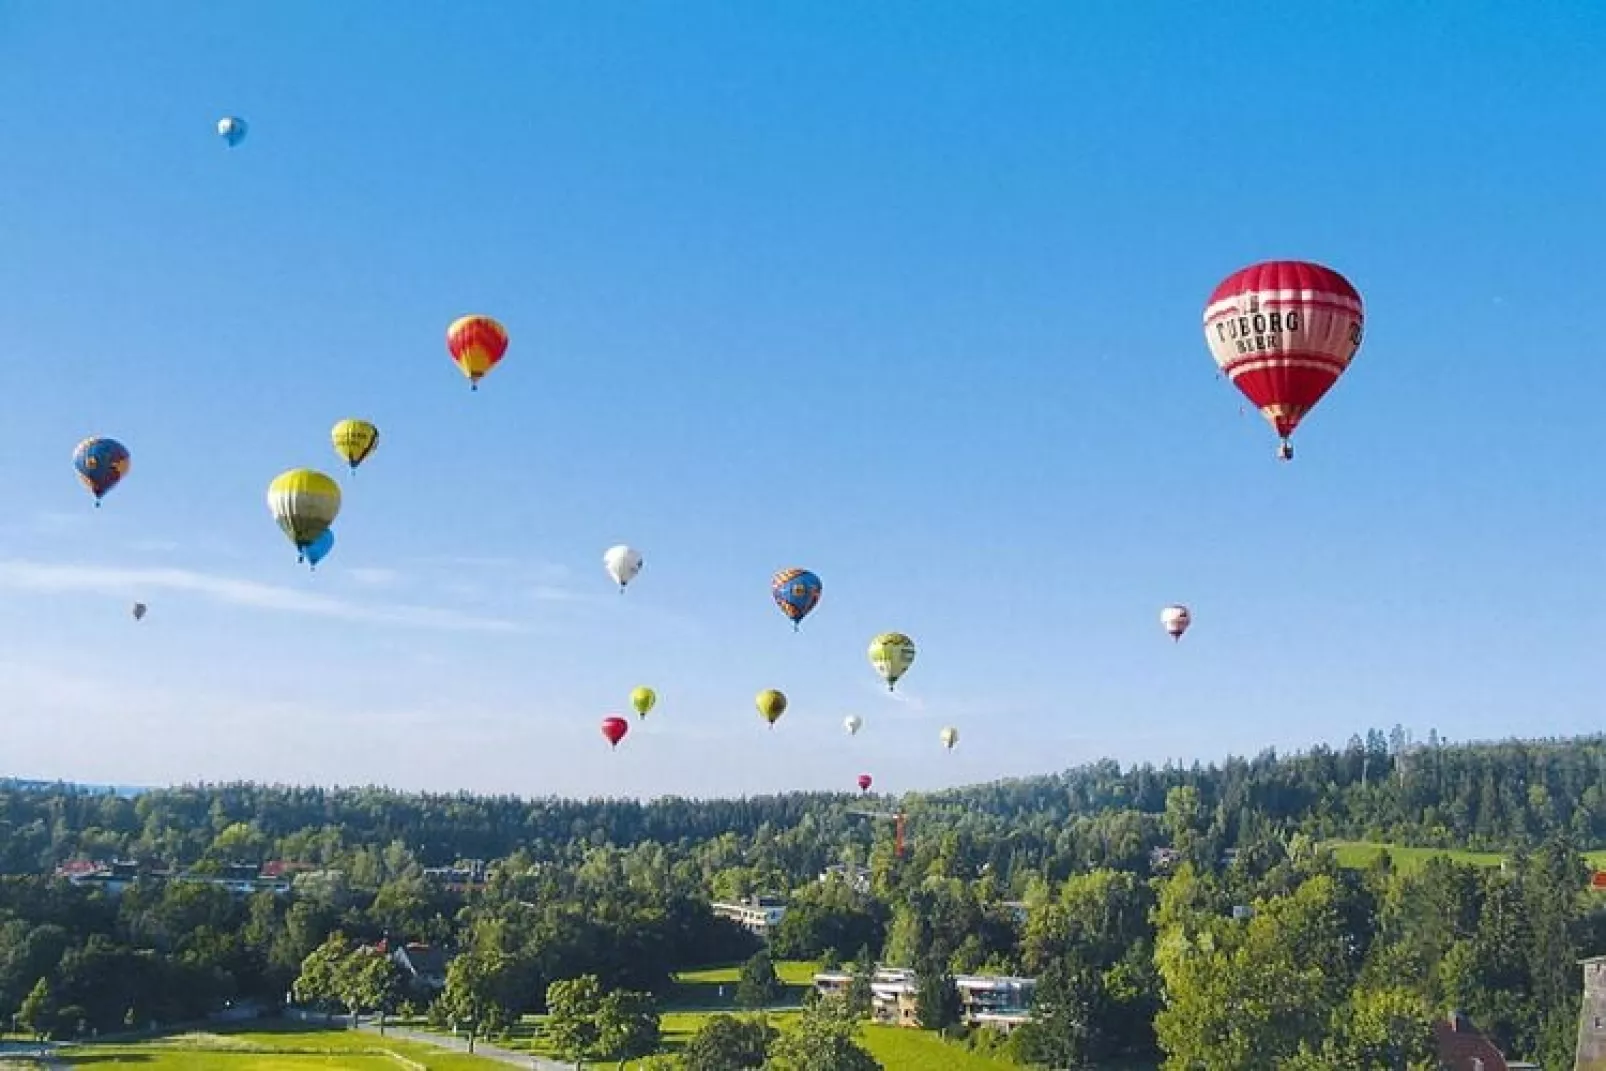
757	914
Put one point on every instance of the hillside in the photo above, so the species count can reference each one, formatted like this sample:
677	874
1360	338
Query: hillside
1152	898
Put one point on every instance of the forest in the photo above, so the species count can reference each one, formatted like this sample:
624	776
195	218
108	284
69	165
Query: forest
1192	916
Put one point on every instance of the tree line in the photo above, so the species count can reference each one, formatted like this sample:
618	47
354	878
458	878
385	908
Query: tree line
1187	914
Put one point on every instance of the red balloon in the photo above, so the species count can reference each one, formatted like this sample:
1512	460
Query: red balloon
864	782
1283	332
615	728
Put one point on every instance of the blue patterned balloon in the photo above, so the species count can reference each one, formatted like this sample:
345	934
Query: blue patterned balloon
796	592
101	464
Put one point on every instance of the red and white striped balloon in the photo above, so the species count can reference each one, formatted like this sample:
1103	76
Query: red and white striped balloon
1283	331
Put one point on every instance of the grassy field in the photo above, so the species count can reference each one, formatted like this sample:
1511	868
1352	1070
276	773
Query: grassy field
1358	854
697	996
702	988
280	1047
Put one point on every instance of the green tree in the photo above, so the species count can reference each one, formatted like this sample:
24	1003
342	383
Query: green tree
1067	1024
368	981
823	1041
38	1011
728	1043
322	977
759	986
627	1026
937	998
473	993
860	997
573	1009
1250	994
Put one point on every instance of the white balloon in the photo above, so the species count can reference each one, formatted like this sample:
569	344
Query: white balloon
622	563
852	723
1175	620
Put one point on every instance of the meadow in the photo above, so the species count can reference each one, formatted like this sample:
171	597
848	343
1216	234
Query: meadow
271	1047
1359	854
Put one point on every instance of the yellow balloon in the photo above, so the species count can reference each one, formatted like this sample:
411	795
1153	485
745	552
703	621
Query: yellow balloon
771	704
304	503
892	653
354	440
950	737
642	699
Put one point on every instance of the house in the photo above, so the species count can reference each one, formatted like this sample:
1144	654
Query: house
111	878
756	914
893	993
424	965
1591	1052
856	876
1000	1003
1163	859
1017	910
895	997
468	875
241	879
1462	1048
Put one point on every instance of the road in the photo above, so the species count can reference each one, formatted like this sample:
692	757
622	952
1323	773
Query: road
490	1052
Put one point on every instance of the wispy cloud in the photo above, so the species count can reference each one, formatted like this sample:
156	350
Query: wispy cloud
128	583
905	699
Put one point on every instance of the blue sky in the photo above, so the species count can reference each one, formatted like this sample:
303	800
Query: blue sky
905	293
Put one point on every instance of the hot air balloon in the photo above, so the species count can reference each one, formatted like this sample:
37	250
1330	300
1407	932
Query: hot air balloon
1175	620
852	723
892	653
643	699
771	704
622	563
614	728
231	129
865	781
319	548
796	592
354	440
949	737
304	503
101	464
476	344
1283	331
139	611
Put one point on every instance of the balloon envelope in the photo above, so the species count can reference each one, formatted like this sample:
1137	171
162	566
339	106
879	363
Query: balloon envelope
642	699
1283	331
476	344
354	440
232	130
892	653
949	737
1175	620
865	781
139	611
319	548
615	728
304	503
852	723
101	464
623	563
771	705
796	592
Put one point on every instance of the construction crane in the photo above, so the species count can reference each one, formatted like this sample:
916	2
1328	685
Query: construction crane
897	817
